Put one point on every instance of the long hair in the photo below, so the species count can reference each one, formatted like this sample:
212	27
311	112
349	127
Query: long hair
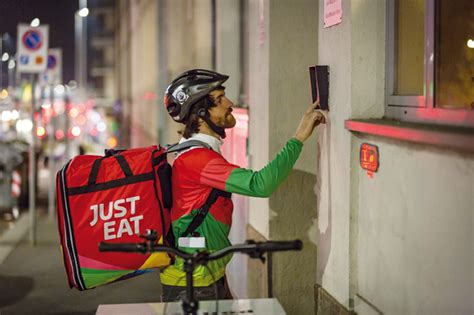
192	124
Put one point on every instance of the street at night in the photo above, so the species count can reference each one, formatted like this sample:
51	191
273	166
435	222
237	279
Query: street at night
237	157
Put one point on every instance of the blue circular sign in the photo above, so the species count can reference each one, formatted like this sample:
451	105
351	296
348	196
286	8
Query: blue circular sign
32	40
52	62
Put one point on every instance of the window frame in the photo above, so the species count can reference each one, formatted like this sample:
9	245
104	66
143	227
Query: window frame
419	108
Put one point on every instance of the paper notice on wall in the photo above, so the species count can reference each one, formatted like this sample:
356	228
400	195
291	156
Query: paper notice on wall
332	12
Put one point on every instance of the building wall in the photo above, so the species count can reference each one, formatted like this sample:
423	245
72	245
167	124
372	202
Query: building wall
258	99
282	37
400	242
293	47
334	50
143	65
152	57
189	41
415	223
228	46
122	66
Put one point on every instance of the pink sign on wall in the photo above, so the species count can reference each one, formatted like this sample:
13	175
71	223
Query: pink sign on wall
332	12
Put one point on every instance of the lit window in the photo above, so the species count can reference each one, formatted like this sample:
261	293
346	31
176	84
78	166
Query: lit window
430	65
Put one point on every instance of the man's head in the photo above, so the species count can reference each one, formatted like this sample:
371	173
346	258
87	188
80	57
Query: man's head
197	99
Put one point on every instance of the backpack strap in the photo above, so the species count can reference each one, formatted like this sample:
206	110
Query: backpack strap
186	145
211	199
202	212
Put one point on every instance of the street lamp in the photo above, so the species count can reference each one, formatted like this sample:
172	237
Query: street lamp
5	56
83	12
80	24
35	22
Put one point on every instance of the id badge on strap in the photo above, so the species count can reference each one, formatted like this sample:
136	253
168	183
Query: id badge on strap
192	242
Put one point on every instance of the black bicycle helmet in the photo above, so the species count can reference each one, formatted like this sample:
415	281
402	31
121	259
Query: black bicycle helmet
189	88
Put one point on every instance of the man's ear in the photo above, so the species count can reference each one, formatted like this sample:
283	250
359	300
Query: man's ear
202	112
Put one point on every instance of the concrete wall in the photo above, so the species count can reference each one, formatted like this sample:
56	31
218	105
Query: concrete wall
282	39
189	44
334	49
143	78
153	57
414	252
293	47
400	242
228	44
258	98
122	67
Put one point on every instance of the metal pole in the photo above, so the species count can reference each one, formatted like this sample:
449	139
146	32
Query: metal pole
67	105
51	162
1	62
32	166
11	77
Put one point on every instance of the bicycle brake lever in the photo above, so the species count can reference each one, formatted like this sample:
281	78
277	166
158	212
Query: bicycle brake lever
150	235
255	253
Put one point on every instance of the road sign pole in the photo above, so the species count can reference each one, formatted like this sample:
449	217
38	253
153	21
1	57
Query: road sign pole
32	166
51	162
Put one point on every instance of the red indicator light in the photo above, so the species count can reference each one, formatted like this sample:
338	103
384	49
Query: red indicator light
369	158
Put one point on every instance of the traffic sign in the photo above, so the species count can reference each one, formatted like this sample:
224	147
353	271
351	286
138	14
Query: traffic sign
54	69
32	48
51	62
32	39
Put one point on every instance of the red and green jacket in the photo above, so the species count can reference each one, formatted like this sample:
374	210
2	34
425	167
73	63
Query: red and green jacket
195	173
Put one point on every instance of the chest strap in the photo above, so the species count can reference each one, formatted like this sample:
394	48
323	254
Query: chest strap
202	212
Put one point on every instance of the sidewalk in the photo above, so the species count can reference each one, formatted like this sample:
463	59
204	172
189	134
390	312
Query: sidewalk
33	281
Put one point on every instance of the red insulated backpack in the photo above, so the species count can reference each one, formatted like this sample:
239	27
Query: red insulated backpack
114	198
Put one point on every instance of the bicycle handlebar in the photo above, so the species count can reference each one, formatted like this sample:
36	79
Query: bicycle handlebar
250	248
190	304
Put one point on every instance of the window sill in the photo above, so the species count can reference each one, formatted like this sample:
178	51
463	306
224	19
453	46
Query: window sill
457	138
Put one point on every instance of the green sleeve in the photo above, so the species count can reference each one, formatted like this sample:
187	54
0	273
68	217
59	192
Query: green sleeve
265	181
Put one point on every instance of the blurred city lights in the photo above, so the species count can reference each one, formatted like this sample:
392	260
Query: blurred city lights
35	22
4	93
101	127
6	115
15	114
72	84
40	131
83	12
112	142
76	131
81	120
73	112
46	106
59	134
11	64
5	56
90	103
24	125
59	89
149	96
95	117
470	43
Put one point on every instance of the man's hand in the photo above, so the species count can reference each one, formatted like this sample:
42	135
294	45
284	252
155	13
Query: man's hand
311	118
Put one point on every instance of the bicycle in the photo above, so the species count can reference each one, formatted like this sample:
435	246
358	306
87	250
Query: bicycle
190	304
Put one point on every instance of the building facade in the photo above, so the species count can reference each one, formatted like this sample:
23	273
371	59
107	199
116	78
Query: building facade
395	241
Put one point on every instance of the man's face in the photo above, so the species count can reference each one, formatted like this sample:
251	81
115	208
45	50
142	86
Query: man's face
221	114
